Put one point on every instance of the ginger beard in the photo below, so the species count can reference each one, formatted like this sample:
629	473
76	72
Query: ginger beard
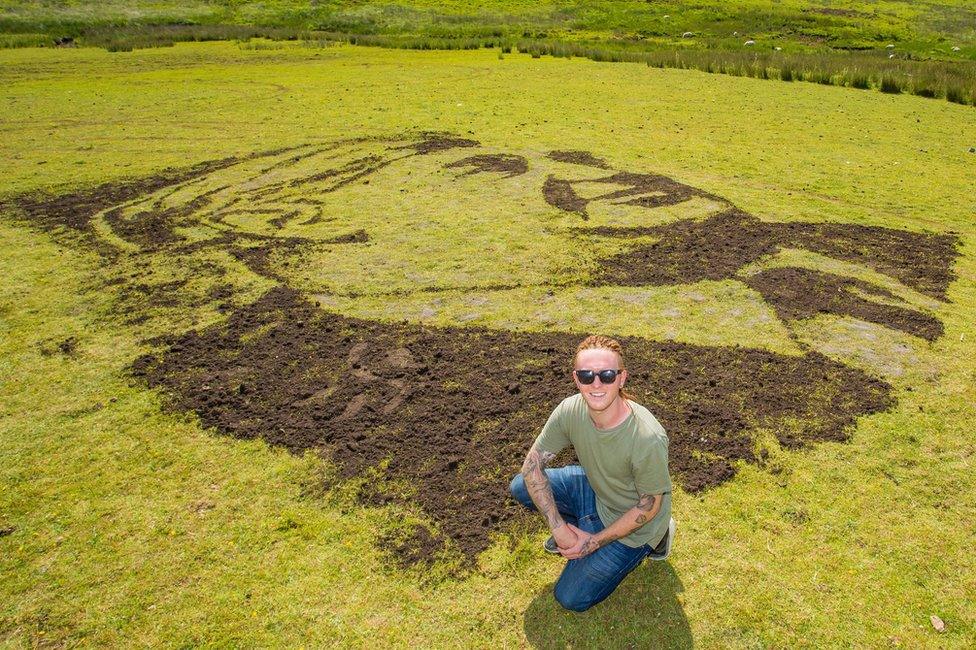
599	397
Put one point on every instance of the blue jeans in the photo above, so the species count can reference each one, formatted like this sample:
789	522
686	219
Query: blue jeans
588	580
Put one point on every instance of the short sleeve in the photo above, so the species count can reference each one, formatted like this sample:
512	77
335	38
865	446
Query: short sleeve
650	467
555	433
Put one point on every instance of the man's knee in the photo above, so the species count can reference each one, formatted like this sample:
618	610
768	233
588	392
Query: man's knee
517	486
518	490
572	599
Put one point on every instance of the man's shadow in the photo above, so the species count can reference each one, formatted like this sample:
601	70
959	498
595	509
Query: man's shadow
643	612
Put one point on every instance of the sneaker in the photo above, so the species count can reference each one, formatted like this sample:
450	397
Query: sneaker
550	545
663	549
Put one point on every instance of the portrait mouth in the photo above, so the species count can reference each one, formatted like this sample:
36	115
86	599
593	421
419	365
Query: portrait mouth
412	351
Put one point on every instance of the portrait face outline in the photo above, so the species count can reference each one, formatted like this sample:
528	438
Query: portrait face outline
238	237
609	229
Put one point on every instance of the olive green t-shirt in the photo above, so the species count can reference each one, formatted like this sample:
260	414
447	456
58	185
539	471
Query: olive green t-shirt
620	463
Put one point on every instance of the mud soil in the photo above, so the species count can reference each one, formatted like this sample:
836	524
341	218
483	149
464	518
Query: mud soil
454	410
509	165
559	193
719	247
73	211
358	237
435	142
68	346
416	547
584	158
797	294
258	258
153	230
644	190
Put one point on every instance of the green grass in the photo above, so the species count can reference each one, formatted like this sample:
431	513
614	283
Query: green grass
934	45
133	527
930	30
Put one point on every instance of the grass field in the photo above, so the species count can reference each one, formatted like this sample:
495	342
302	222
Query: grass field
929	28
892	46
128	522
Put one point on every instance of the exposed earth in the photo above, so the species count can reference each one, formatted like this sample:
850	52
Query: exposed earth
451	411
721	246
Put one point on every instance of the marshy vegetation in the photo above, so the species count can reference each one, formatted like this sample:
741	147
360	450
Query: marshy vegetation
894	47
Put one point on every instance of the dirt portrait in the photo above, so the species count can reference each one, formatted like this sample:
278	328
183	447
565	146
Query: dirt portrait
408	307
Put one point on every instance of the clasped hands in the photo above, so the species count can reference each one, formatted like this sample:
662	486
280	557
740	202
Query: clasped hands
574	543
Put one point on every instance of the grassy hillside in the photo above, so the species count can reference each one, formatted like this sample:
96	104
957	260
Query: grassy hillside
124	523
926	50
929	28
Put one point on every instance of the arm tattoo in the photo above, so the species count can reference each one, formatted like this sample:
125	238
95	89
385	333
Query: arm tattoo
537	483
591	545
645	504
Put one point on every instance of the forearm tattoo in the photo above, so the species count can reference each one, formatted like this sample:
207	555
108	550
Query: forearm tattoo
537	483
592	544
645	504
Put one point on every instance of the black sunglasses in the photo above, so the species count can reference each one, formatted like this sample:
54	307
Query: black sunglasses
588	376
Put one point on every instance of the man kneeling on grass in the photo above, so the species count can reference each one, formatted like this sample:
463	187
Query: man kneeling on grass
612	512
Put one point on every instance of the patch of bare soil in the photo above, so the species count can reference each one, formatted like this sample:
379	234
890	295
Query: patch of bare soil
559	193
644	190
358	237
259	257
719	247
437	142
418	546
347	174
454	410
574	157
507	164
68	347
158	294
75	210
922	261
797	294
689	251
